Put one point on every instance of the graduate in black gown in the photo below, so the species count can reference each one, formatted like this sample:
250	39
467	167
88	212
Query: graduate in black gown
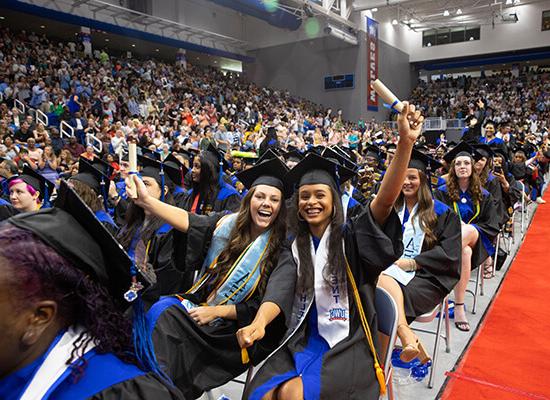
478	213
29	191
63	279
432	249
330	351
91	184
179	191
209	192
150	240
194	331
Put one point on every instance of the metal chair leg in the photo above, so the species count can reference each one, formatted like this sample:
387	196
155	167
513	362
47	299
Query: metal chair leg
447	327
436	346
497	247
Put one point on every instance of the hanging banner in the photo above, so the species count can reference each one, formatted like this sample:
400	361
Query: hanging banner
372	63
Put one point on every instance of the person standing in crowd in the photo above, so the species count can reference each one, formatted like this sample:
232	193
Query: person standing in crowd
65	332
331	325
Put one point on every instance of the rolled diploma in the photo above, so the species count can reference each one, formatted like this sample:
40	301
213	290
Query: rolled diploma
387	95
132	159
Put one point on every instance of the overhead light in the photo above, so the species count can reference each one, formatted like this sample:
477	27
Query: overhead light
374	9
446	13
133	45
42	26
458	12
215	62
394	22
106	40
2	17
508	2
157	50
471	38
429	44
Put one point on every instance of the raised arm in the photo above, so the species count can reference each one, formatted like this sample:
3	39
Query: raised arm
409	125
267	312
177	217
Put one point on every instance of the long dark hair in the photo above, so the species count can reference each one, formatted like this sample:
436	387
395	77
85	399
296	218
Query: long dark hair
240	238
300	229
207	186
39	272
484	174
135	218
88	195
425	211
474	185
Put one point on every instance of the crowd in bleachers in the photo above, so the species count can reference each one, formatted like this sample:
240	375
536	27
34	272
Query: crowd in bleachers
212	143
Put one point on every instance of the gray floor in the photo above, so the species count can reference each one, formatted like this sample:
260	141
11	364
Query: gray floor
459	340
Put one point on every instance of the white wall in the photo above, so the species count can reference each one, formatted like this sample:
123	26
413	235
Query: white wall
524	34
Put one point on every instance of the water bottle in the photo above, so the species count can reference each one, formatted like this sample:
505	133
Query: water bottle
407	374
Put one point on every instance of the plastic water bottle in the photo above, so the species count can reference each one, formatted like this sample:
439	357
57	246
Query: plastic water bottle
407	374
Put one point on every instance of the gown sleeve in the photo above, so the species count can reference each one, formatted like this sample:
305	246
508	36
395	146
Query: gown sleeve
376	247
487	223
190	248
443	260
143	387
7	211
232	203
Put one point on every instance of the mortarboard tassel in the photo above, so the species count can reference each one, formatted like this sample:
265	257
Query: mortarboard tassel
104	194
161	182
46	203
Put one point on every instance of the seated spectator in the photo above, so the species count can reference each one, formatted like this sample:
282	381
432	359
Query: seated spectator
75	148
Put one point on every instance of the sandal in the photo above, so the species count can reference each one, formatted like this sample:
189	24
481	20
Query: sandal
412	350
463	326
488	270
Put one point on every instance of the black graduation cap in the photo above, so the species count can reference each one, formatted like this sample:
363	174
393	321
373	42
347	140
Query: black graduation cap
269	172
146	152
293	155
373	151
483	150
268	155
90	175
216	157
330	153
390	146
36	181
174	169
314	169
499	151
72	229
461	149
152	168
422	161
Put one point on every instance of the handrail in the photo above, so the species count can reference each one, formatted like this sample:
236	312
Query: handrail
41	117
91	139
65	129
20	106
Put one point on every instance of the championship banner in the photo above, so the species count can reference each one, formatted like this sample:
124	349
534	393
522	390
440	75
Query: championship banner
372	63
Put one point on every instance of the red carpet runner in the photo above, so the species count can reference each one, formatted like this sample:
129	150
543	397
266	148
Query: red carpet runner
509	358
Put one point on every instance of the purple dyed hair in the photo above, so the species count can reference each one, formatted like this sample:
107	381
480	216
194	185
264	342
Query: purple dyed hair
38	272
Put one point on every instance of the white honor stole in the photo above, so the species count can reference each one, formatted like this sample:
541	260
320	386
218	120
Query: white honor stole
331	299
413	235
54	366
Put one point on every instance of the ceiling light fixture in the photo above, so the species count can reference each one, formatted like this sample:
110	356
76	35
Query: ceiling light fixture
133	45
374	9
157	50
42	26
2	17
394	22
471	38
458	12
106	40
446	13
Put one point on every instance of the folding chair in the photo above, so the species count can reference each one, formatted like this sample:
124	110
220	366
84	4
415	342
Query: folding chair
386	311
478	288
443	310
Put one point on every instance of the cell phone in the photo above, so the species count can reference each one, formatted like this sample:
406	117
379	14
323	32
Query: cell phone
498	169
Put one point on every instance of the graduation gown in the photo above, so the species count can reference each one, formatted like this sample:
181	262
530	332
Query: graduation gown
493	186
199	358
440	265
486	222
226	199
345	371
105	377
7	211
107	222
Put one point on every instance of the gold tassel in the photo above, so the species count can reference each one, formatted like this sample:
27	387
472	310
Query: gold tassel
381	379
244	356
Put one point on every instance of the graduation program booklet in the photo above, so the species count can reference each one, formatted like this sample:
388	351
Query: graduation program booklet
399	275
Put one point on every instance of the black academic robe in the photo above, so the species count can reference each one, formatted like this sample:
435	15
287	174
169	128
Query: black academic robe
439	266
226	199
7	211
199	358
347	369
169	274
487	223
493	186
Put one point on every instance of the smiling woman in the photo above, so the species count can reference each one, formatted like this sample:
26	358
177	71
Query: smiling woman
237	255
